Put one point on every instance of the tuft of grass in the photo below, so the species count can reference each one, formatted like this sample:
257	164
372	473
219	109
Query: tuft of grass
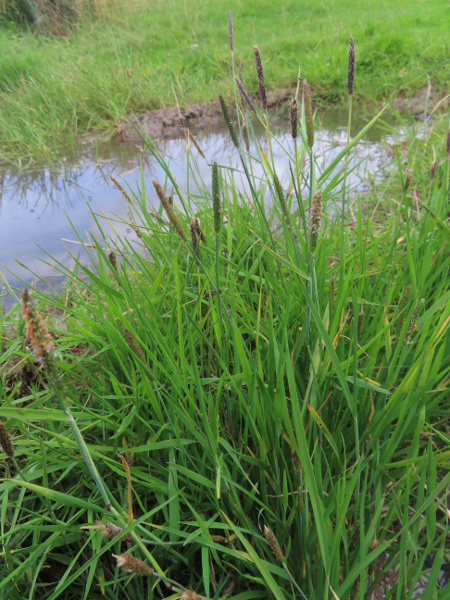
266	417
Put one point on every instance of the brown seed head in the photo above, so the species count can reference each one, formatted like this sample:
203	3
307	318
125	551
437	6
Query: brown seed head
36	331
112	257
351	67
190	595
274	545
130	564
408	179
230	29
169	210
448	144
228	121
316	216
294	118
194	235
244	94
109	530
120	188
307	99
260	73
5	441
434	166
196	144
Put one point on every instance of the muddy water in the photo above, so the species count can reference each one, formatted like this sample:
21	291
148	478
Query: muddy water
40	210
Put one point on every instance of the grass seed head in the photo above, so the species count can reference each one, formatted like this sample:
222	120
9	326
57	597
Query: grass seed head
307	99
294	118
408	179
130	564
448	144
121	189
244	94
351	67
36	331
196	144
109	530
316	217
190	595
169	210
5	441
112	257
282	200
193	227
260	73
230	30
434	166
217	210
228	121
274	545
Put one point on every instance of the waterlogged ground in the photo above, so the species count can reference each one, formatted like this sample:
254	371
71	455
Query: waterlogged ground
41	210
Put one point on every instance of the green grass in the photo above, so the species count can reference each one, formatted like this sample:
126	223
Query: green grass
53	89
195	399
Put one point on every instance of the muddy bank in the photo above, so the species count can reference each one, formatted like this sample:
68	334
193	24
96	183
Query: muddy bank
171	122
166	123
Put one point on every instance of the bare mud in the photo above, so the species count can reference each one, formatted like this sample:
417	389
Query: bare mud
171	122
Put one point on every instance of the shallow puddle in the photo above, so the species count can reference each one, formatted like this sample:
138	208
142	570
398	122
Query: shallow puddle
41	210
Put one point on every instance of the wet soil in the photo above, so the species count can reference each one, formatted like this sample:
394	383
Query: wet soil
172	122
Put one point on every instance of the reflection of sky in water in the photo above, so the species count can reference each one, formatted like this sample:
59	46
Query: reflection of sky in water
35	207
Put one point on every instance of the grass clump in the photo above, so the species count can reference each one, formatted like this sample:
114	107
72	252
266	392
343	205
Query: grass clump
262	417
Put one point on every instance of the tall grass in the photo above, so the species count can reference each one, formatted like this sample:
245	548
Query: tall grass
265	409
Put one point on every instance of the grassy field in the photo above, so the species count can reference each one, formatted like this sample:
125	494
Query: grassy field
139	57
247	403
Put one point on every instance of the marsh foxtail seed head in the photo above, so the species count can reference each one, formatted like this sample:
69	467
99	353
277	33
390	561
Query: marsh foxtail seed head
245	133
130	564
194	235
260	73
282	200
230	29
121	189
109	530
448	144
112	257
308	113
216	198
351	67
408	179
190	595
294	118
227	119
274	545
316	216
241	74
5	441
196	144
134	345
169	210
36	330
244	94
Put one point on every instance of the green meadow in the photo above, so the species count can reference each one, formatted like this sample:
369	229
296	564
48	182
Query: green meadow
150	54
251	399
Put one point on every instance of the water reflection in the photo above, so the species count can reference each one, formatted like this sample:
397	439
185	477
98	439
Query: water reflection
41	209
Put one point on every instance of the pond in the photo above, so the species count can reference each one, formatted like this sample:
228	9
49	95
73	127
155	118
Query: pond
41	210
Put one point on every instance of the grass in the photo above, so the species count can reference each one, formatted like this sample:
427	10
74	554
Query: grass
138	58
262	413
